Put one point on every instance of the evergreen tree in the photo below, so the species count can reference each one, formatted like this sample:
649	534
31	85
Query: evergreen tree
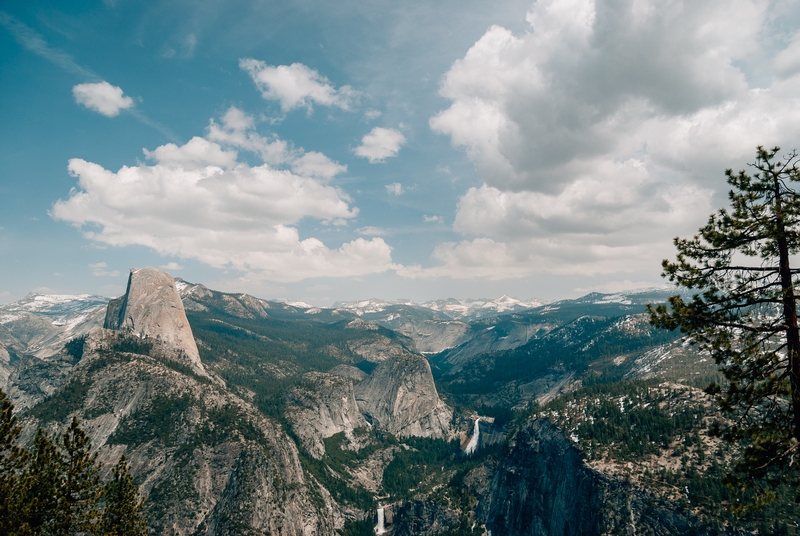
12	460
41	486
123	514
744	314
78	507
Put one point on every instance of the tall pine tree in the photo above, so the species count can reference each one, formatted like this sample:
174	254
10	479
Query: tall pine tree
78	508
744	314
41	486
123	514
12	460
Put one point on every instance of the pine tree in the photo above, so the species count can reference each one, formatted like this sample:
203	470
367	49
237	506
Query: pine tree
42	484
12	460
78	508
123	514
744	314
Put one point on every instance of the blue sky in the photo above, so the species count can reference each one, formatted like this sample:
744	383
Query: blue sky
324	151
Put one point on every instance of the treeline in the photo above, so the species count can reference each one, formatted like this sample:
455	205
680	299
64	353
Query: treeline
54	487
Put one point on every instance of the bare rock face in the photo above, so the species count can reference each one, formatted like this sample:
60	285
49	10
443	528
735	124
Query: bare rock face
543	487
400	397
206	461
152	308
349	371
323	405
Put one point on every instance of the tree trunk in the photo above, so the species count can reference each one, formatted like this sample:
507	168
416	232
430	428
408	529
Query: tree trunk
789	312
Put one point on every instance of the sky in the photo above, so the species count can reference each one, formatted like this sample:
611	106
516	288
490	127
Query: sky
325	151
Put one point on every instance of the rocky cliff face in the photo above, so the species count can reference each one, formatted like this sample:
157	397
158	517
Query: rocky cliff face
323	405
399	397
152	308
206	461
542	487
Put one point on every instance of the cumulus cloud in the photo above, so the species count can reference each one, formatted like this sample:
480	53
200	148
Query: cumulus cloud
432	219
100	269
296	86
380	144
237	216
237	129
198	152
102	97
604	130
395	188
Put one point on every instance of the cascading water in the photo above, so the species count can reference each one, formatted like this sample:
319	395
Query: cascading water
379	527
472	446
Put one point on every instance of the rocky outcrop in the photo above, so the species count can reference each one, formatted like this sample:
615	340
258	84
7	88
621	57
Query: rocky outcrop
252	499
399	397
207	462
421	518
543	488
152	308
349	371
321	406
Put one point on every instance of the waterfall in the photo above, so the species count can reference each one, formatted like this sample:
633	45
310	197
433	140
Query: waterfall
472	446
379	527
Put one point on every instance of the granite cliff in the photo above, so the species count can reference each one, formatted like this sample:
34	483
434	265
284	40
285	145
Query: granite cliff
400	397
152	309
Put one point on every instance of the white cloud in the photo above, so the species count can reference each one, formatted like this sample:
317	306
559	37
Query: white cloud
313	164
371	231
197	152
371	115
395	189
432	219
296	85
100	269
172	266
604	131
241	217
237	130
380	144
102	97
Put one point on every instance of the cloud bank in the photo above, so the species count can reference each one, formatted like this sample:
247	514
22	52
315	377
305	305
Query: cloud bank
604	131
198	201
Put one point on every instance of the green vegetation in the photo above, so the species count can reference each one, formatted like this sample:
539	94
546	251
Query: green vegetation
364	527
132	345
564	349
160	419
54	487
626	420
63	402
744	314
418	460
75	346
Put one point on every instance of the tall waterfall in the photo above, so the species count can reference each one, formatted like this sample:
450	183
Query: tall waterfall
472	446
379	529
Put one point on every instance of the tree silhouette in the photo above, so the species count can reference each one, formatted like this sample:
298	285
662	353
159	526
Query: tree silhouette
744	314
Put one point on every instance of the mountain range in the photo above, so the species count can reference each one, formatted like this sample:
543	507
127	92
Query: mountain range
247	416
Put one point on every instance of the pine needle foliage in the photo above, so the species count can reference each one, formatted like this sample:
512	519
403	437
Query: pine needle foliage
54	487
123	514
12	460
78	509
744	315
